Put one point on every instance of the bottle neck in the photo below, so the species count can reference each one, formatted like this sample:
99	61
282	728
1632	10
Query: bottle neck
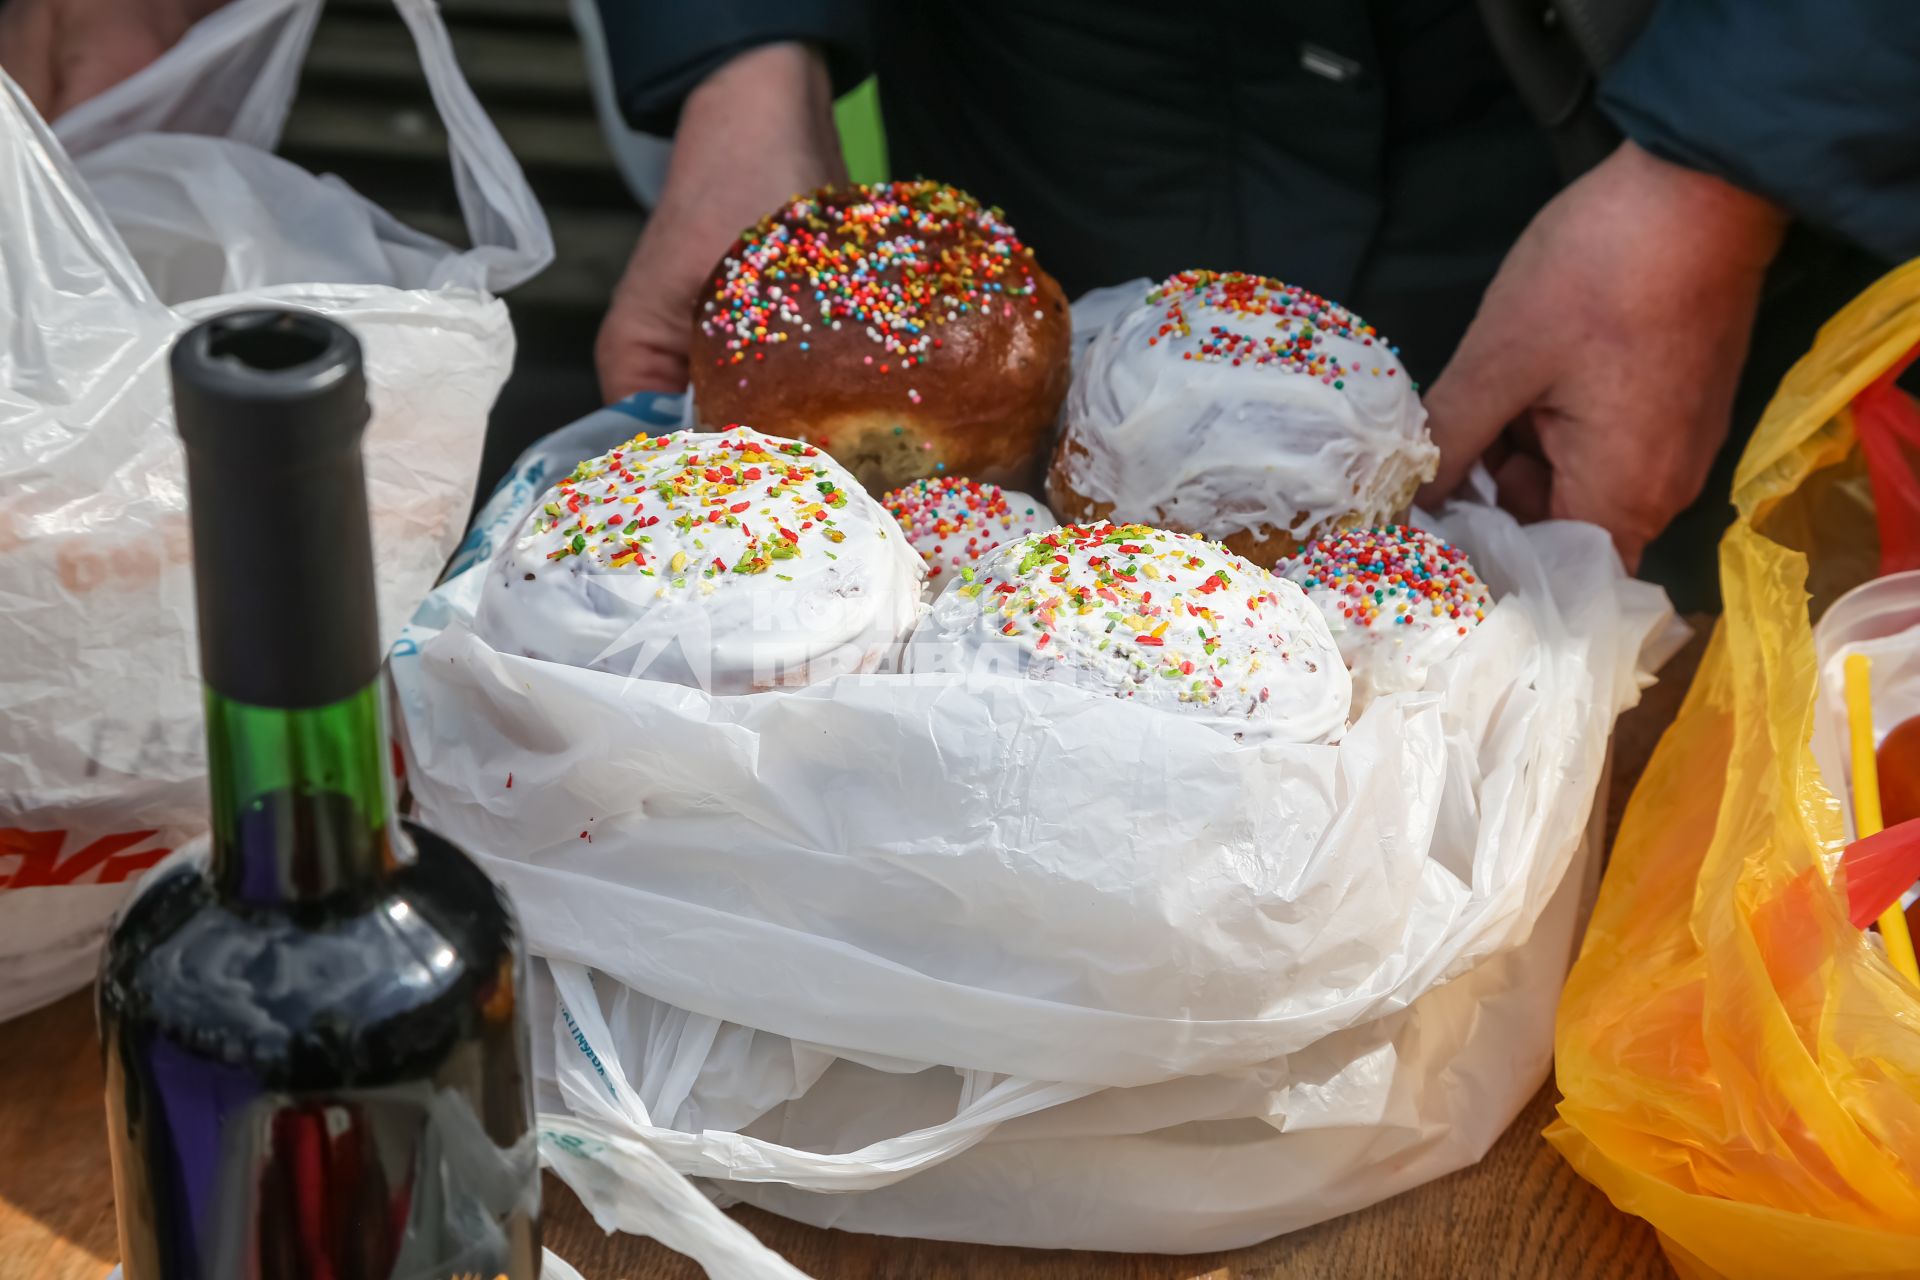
302	807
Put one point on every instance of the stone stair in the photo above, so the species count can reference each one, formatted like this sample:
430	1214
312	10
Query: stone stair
363	112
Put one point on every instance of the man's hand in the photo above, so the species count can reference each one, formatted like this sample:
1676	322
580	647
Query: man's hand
62	52
1598	377
755	132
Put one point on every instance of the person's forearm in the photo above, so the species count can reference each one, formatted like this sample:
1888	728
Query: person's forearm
757	131
1737	227
761	122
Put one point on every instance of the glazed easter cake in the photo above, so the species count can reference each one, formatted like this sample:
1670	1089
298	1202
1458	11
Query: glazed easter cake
733	562
1166	620
903	327
1398	600
1244	409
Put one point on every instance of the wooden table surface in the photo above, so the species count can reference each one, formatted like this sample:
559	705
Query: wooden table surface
1521	1212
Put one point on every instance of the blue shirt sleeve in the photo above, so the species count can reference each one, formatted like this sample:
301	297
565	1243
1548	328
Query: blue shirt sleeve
1814	104
662	49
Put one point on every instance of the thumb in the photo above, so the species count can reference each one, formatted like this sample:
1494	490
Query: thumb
642	344
1495	375
628	364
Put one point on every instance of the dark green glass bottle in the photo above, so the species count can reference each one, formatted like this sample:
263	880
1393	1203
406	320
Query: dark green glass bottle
316	1054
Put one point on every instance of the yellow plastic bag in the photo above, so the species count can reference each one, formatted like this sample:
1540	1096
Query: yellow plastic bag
1741	1067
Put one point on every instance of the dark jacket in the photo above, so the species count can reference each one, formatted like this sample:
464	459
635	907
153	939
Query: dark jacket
1814	104
1374	152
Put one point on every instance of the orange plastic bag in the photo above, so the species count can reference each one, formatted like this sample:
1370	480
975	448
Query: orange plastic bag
1740	1065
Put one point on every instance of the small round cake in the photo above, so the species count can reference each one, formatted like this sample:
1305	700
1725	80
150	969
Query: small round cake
731	562
901	327
1243	409
952	521
1164	619
1397	600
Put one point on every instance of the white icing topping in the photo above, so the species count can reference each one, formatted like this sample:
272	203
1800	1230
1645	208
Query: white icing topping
1398	601
1166	619
732	562
1230	403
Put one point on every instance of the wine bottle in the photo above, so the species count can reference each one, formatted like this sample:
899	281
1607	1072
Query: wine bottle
316	1053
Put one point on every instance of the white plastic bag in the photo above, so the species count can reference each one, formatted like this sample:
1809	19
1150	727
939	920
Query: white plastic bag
1881	619
1187	1165
104	258
985	958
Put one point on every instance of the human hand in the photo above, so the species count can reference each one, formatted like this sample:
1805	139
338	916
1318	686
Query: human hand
756	131
62	52
1598	377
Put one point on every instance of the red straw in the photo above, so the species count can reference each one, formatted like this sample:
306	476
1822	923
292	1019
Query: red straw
1879	869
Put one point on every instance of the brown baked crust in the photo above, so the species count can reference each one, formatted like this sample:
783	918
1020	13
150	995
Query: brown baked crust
940	391
1265	546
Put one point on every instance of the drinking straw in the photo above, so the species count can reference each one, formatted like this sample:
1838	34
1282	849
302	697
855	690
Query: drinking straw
1879	869
1866	802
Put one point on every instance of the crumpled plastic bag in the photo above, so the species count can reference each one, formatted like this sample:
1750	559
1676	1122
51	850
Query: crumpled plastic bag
1740	1065
920	954
163	208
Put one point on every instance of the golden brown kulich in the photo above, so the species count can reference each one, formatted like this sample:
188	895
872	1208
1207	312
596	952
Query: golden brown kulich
902	327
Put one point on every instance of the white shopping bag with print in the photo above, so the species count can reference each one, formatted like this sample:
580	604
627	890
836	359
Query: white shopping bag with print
151	207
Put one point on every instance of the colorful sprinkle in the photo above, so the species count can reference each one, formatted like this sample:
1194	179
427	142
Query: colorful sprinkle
775	498
1397	600
1254	321
952	521
1393	573
1165	617
898	260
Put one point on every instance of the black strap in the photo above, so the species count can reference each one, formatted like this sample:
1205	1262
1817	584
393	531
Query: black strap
1554	50
1603	28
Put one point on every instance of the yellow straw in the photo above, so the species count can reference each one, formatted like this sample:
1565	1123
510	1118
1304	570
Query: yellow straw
1866	802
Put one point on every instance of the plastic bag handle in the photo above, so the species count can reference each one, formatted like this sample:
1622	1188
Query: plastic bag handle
55	192
508	231
626	1186
511	239
597	1089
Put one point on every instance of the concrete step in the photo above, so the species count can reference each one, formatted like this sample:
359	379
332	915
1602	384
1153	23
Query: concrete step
540	138
591	248
371	53
364	113
463	12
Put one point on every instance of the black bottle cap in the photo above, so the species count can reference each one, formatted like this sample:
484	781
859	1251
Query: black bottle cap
272	406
